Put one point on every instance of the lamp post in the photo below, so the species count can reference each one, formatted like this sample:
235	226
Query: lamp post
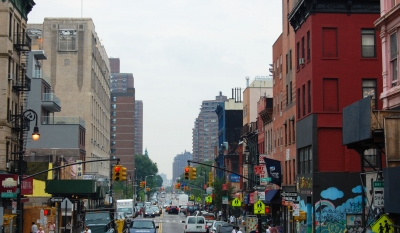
145	181
24	122
126	184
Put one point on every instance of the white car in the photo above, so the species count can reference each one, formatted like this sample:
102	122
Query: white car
195	224
215	224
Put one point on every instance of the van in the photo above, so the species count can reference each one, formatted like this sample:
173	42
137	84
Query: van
195	224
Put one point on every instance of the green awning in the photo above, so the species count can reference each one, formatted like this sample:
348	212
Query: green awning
75	187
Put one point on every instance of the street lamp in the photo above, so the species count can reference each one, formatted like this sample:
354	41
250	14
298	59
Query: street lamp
126	183
24	125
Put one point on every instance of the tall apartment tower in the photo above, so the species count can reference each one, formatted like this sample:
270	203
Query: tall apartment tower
205	130
179	164
14	47
139	127
122	116
79	72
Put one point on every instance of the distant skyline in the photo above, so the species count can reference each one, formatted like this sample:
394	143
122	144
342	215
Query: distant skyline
180	53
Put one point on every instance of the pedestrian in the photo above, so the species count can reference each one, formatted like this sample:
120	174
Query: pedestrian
267	229
34	227
273	229
68	227
40	230
219	215
238	230
51	227
87	230
232	219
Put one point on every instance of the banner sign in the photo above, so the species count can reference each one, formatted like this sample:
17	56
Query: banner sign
235	178
274	170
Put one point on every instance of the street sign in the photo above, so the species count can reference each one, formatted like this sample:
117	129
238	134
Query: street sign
378	194
56	199
8	195
236	202
259	207
296	209
198	199
208	199
224	200
384	224
266	179
191	197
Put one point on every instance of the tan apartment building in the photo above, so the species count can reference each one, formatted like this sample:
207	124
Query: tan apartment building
14	48
79	72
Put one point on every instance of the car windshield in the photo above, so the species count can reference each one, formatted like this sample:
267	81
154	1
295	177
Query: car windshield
97	216
226	229
125	210
142	225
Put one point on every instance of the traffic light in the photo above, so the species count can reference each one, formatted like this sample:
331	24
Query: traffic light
141	184
178	185
210	177
46	212
147	189
122	173
116	173
185	188
187	169
193	174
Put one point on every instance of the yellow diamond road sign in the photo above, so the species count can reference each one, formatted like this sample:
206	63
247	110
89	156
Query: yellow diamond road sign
259	207
384	224
236	202
208	199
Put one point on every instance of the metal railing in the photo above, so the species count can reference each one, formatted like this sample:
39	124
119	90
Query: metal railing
59	120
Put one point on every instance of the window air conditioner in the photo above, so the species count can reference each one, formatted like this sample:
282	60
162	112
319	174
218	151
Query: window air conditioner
301	61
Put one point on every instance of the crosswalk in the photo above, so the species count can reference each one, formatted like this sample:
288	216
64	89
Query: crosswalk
167	221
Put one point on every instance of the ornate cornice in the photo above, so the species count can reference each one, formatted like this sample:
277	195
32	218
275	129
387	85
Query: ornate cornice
22	6
305	8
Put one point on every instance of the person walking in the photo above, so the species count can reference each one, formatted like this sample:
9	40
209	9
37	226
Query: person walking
52	227
40	230
232	219
68	227
87	230
34	228
267	229
238	230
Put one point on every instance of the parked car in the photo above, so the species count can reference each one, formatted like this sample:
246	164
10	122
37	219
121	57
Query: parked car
195	224
182	208
225	228
191	209
215	224
138	225
173	210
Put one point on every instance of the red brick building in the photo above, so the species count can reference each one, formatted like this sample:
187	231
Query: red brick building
338	61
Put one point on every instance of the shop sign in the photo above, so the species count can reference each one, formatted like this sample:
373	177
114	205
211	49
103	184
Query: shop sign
235	178
296	209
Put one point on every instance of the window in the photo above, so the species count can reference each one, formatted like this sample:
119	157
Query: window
114	128
287	63
298	55
114	98
114	106
113	143
302	47
330	95
10	26
304	100
298	103
393	58
113	121
305	165
308	46
113	135
290	92
287	95
290	59
329	43
370	155
113	113
369	89
368	43
309	95
67	40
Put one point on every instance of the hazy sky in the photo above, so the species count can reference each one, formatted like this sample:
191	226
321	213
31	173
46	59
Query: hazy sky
180	52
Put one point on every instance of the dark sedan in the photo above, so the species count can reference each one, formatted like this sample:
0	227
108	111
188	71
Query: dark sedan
149	212
173	210
142	225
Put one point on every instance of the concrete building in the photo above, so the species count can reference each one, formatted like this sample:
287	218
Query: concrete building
259	87
122	116
337	62
205	130
139	127
14	45
79	72
179	164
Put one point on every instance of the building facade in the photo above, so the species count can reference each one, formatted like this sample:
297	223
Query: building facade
337	61
122	116
205	130
139	127
179	164
79	72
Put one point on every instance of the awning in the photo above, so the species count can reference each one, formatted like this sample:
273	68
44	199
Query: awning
271	196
